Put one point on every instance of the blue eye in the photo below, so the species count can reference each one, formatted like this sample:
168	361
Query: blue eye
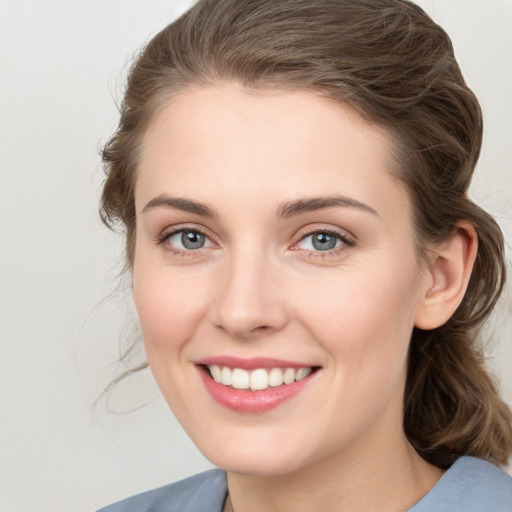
188	239
322	241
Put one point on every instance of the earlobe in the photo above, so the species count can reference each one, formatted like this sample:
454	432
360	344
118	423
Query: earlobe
447	277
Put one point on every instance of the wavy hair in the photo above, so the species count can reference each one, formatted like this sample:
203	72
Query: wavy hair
387	60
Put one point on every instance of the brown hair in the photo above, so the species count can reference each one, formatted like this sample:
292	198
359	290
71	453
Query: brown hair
392	64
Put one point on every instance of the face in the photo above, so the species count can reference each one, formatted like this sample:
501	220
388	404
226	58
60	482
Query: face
275	277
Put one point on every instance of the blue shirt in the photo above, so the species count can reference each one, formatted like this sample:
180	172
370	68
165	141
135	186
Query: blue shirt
470	485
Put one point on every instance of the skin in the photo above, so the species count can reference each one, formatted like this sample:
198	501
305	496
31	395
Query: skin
259	288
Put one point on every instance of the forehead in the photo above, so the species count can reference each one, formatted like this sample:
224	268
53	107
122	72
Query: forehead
266	143
263	113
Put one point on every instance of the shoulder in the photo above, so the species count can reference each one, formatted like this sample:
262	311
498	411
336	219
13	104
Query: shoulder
470	485
189	495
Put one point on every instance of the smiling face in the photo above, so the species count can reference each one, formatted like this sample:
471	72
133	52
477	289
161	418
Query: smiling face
274	244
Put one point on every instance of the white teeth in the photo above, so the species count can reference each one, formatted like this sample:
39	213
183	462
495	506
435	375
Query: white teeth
240	379
302	373
259	379
216	373
275	377
226	376
289	376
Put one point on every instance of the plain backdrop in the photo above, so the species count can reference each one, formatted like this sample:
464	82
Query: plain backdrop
62	311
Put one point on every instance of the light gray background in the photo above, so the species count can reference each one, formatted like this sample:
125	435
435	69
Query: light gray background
62	64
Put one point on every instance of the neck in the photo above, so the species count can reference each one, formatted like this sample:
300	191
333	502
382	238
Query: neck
391	478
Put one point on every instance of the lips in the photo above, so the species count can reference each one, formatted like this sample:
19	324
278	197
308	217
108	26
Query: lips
253	385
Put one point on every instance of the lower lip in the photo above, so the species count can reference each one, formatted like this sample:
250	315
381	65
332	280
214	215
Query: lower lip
242	400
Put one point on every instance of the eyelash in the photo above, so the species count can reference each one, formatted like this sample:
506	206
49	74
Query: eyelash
179	252
346	242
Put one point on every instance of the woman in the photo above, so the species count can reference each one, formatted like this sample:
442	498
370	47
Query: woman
308	270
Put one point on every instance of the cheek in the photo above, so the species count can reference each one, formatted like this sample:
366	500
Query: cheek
363	320
169	306
362	314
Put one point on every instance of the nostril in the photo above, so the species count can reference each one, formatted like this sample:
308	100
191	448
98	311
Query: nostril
245	333
262	328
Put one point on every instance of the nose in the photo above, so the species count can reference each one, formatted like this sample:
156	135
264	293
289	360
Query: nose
248	303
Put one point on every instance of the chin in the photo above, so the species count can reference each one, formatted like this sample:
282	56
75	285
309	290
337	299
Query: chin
257	466
261	457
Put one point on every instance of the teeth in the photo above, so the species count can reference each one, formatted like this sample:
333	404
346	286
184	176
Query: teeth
240	379
289	376
216	373
259	379
275	377
225	376
302	373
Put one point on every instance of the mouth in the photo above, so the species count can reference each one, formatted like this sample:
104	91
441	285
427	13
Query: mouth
258	379
256	385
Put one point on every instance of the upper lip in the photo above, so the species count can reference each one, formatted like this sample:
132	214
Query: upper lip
251	363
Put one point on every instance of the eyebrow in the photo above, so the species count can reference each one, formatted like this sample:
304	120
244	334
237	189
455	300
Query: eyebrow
312	204
284	211
179	203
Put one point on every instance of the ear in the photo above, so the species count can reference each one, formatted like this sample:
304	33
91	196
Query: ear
447	276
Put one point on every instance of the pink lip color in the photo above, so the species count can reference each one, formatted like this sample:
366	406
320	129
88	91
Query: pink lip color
251	363
241	400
